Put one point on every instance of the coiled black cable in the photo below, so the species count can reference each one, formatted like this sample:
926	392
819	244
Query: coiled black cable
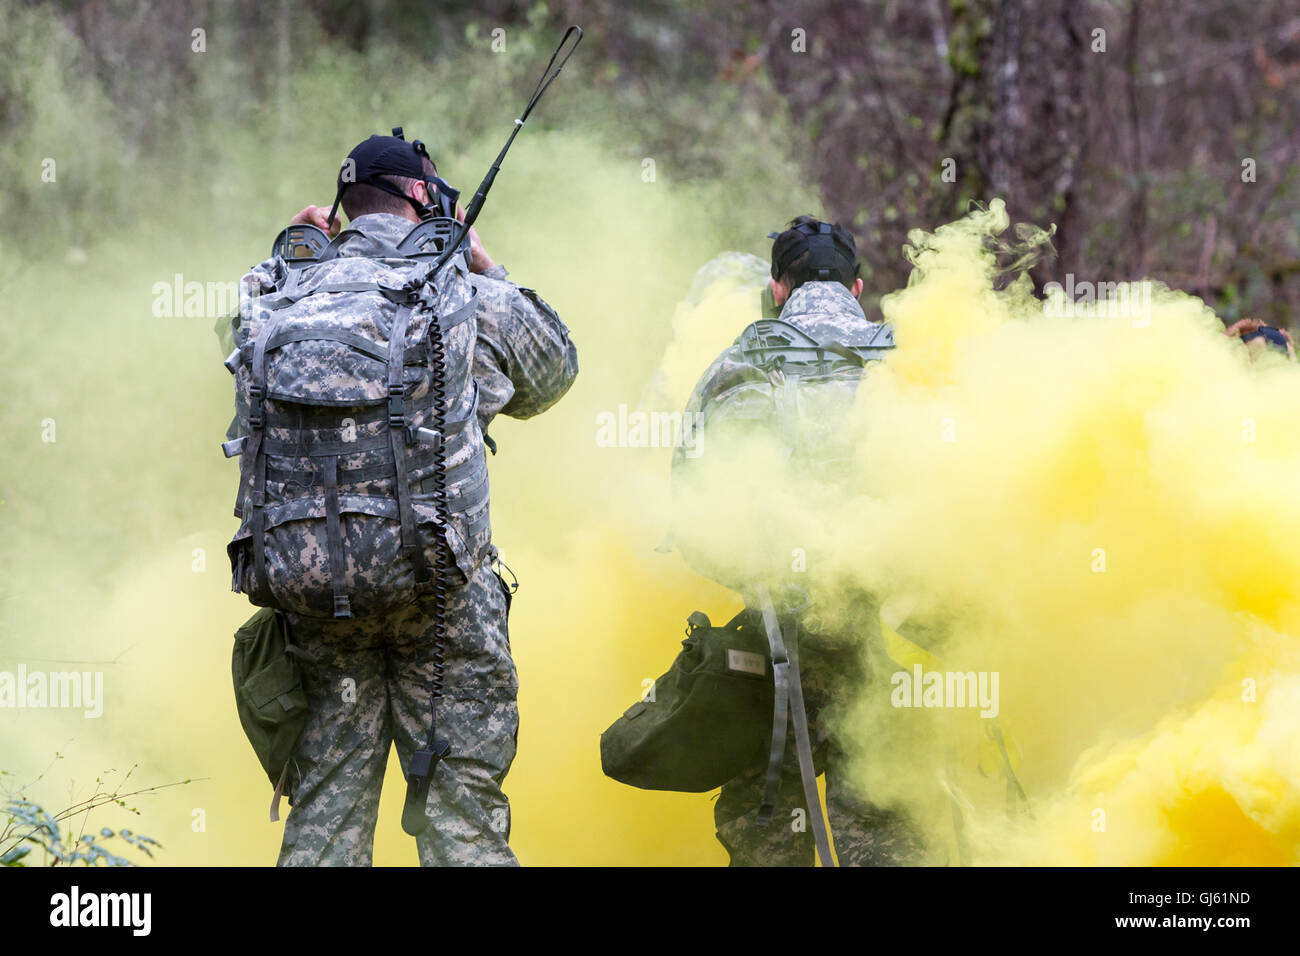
438	387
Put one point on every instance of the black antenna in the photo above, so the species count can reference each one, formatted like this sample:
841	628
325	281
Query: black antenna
480	195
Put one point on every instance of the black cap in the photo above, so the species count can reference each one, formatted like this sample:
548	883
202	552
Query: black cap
381	156
832	247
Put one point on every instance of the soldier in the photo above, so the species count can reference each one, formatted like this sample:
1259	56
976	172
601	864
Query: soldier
1260	337
815	285
367	679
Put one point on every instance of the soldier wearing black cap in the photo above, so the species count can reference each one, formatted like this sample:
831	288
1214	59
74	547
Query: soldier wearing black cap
367	680
815	284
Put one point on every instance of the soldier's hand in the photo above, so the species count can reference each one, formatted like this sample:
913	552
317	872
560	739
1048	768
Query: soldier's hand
479	260
318	216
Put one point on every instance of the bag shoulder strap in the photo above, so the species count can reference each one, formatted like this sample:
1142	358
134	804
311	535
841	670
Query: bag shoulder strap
785	646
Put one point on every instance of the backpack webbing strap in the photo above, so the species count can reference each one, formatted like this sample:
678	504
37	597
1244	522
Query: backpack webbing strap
358	342
323	449
780	707
243	354
803	748
397	439
362	418
334	538
286	299
421	457
456	317
254	459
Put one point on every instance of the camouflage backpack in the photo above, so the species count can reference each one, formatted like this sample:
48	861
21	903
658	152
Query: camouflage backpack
803	387
352	395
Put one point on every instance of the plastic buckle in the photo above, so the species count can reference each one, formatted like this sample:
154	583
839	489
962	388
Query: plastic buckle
342	607
396	406
257	398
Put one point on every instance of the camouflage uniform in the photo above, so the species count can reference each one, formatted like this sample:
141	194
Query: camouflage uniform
367	679
833	669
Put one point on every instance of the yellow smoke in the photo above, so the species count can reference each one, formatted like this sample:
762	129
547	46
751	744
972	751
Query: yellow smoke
1096	507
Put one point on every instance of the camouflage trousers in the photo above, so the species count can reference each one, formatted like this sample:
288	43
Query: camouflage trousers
367	688
862	833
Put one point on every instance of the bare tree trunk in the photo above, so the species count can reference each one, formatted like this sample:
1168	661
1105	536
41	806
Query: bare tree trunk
1138	218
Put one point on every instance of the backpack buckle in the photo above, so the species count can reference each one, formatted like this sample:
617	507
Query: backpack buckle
257	399
396	406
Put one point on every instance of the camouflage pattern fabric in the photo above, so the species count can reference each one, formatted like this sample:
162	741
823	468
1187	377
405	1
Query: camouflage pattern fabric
825	310
736	421
367	687
734	392
862	834
521	364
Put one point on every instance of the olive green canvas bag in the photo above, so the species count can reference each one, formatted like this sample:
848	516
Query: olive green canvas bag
705	721
269	695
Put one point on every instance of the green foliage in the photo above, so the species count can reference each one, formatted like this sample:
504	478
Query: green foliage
30	825
61	837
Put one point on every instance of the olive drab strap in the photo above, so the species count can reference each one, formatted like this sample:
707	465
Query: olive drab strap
785	645
397	431
334	538
253	462
780	709
803	749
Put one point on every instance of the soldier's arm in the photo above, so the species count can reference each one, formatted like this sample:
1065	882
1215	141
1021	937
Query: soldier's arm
524	360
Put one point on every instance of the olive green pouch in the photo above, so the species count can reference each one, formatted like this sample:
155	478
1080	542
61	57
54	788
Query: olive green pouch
269	695
706	721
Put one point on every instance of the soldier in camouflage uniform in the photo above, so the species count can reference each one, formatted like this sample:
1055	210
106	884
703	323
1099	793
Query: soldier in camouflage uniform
822	303
367	679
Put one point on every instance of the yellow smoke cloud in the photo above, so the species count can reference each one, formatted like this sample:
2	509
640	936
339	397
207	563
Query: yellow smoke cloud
1095	507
